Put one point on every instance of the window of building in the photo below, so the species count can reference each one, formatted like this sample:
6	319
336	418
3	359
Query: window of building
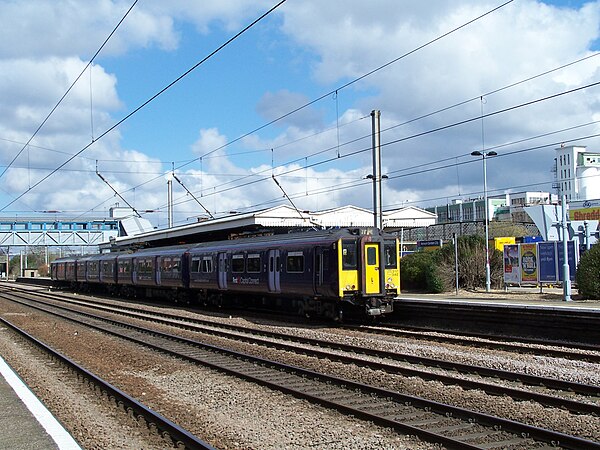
295	262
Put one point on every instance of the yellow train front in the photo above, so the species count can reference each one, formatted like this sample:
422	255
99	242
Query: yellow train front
369	272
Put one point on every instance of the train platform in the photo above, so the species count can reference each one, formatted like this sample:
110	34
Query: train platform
526	297
25	423
520	312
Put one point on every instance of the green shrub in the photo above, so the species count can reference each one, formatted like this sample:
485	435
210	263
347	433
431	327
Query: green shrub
418	271
588	274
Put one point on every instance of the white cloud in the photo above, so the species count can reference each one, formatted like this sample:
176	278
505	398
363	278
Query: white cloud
45	45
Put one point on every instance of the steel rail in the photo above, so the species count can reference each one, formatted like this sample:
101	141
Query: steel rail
167	428
258	366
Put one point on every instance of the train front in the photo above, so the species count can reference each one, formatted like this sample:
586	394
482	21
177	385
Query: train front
369	275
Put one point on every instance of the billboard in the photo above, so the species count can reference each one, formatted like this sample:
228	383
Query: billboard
529	263
548	272
512	270
572	260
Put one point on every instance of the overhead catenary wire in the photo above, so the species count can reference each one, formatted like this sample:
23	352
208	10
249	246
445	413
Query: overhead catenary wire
494	91
144	104
420	134
342	87
304	156
355	80
67	92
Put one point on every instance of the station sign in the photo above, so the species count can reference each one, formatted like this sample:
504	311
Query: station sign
429	245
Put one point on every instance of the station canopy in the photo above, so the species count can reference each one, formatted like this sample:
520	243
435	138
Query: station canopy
277	220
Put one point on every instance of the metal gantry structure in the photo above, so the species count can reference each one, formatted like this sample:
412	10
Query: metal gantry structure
21	234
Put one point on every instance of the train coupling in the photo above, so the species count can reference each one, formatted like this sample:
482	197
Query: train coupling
383	308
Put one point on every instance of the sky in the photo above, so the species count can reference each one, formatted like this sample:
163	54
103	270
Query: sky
227	99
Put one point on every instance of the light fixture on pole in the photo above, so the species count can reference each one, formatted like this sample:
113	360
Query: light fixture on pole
484	155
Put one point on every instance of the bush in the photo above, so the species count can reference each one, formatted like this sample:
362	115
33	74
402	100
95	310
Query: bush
471	264
588	274
418	271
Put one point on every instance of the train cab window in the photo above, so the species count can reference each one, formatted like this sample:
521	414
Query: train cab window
295	262
237	263
349	255
389	255
253	263
371	256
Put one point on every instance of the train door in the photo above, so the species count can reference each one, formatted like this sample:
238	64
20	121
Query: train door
222	269
318	270
274	271
372	285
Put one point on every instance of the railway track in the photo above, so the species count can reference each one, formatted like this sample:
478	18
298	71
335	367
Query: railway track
557	393
556	349
449	425
172	434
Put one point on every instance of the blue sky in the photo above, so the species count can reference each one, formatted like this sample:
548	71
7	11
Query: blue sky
299	53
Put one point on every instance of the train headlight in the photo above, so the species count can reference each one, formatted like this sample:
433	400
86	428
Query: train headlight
347	287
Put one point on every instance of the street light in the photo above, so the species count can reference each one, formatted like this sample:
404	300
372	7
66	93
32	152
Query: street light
484	155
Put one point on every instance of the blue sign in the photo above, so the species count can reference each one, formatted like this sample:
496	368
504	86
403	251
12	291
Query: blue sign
561	260
547	262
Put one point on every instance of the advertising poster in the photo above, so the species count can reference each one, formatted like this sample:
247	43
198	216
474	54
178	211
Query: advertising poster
512	269
529	263
547	262
561	259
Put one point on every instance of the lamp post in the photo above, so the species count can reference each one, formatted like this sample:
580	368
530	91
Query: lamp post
484	155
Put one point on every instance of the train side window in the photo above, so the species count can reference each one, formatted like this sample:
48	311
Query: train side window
195	265
176	265
253	263
165	265
389	255
371	256
349	255
295	262
237	263
207	265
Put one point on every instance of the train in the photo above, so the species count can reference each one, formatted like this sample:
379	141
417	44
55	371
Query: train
314	273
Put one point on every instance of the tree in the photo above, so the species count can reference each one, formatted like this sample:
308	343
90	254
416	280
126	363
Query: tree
588	274
471	264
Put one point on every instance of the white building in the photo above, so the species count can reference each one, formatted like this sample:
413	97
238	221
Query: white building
577	173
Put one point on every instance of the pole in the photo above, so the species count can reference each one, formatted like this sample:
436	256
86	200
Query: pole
588	244
455	239
487	244
565	240
170	200
377	208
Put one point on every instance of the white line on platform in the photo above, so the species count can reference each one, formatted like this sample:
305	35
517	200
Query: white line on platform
63	439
